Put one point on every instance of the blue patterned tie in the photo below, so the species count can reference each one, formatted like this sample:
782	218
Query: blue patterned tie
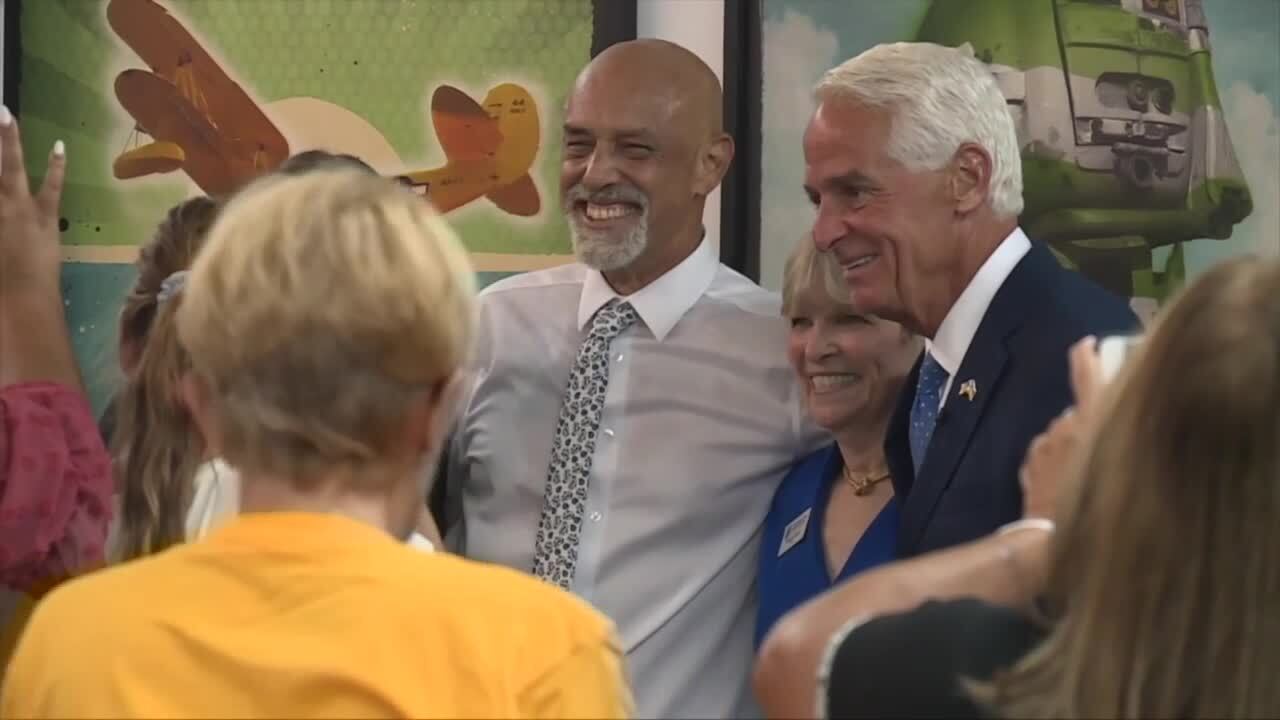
555	554
924	411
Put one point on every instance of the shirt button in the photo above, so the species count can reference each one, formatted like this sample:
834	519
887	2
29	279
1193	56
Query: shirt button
608	432
595	516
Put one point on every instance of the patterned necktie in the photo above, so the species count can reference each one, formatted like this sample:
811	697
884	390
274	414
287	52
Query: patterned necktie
565	498
924	411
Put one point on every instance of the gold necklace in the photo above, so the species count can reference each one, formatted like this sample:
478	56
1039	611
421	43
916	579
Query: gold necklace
864	484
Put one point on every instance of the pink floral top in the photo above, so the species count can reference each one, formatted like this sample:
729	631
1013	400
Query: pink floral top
55	486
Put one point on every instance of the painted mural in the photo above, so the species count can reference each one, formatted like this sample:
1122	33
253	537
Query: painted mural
203	123
1149	131
158	100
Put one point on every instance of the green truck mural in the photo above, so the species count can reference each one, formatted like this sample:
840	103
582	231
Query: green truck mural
1125	148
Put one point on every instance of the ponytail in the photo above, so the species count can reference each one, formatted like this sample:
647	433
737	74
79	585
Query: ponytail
157	447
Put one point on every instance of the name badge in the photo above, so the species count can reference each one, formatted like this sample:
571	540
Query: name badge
794	532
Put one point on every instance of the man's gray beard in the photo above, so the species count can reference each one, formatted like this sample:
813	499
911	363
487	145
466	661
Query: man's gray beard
605	252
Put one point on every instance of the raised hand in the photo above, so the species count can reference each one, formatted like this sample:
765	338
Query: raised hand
30	247
34	343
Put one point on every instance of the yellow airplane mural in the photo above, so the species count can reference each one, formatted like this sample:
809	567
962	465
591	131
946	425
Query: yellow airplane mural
488	150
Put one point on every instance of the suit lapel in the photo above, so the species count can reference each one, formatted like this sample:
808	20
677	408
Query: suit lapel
981	370
984	365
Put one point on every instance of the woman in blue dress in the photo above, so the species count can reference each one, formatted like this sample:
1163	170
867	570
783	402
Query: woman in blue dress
834	514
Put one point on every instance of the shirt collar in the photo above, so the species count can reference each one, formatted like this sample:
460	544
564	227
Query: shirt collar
661	303
956	332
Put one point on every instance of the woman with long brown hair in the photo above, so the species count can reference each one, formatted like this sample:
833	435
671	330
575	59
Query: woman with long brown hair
155	445
1164	573
1151	589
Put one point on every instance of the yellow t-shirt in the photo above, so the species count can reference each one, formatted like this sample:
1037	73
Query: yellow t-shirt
306	615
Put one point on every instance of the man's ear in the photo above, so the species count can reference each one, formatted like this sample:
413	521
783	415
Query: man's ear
970	184
713	163
196	398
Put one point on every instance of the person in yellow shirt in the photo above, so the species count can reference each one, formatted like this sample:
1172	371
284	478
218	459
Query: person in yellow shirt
326	318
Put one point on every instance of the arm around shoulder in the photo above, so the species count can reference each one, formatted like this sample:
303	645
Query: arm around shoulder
1005	569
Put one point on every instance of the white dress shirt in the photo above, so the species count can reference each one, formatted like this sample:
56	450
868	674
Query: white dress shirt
702	418
215	498
956	332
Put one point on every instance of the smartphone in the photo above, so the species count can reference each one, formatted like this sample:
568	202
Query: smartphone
1113	350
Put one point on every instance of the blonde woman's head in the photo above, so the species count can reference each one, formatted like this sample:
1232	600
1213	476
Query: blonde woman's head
1166	569
850	365
326	319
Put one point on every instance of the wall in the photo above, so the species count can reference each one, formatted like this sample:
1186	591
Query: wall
699	26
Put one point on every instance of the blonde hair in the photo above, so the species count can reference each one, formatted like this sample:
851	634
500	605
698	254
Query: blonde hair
1165	571
808	270
155	447
320	307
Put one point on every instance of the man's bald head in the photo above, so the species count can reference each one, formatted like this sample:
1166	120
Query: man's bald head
644	145
661	69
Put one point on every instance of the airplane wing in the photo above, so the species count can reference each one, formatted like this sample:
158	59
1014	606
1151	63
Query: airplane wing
165	114
463	128
519	198
151	31
160	40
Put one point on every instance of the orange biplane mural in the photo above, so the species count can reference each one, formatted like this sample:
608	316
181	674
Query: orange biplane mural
204	123
200	120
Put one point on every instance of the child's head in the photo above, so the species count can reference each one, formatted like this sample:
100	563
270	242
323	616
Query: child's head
155	444
327	319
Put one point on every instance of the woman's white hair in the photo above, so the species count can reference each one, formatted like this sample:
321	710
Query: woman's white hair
939	98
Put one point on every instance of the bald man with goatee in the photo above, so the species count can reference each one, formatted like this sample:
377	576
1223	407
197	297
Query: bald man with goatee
631	414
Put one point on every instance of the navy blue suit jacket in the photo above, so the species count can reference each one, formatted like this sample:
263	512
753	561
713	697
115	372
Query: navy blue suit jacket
968	484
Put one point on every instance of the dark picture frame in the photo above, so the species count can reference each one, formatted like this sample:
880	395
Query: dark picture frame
743	111
613	21
12	53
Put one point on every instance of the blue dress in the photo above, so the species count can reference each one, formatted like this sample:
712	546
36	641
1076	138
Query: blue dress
793	561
